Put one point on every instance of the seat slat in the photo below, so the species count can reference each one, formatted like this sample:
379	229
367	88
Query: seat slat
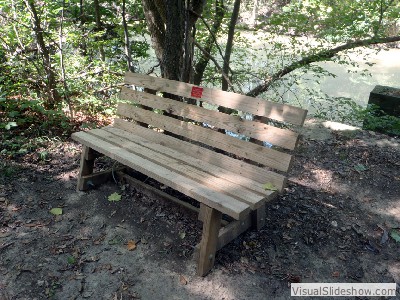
228	163
219	201
277	136
217	184
269	157
237	181
257	106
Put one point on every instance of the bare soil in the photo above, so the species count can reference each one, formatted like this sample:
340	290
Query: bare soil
333	223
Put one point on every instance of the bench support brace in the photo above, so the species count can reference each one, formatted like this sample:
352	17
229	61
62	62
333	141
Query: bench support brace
209	240
86	177
86	167
258	217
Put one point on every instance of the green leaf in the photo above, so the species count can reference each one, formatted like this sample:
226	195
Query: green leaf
269	187
56	211
10	124
71	260
394	233
114	197
360	168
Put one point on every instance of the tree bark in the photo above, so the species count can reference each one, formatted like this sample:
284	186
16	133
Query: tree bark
171	27
154	11
174	40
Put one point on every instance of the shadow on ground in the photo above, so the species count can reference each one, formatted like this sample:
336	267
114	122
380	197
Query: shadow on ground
332	224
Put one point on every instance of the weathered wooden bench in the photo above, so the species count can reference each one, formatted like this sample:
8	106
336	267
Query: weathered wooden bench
184	146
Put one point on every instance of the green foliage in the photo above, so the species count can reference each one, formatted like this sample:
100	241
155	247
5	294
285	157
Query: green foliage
74	40
337	21
377	120
26	113
7	170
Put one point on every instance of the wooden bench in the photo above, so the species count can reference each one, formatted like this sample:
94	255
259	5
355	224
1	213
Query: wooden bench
184	146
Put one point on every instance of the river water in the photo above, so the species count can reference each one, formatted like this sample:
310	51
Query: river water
351	82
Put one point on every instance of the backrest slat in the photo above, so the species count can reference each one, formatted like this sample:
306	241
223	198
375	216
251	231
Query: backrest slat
275	159
256	106
276	136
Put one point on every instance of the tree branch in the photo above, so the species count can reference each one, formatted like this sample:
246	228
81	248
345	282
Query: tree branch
211	31
216	64
323	55
203	60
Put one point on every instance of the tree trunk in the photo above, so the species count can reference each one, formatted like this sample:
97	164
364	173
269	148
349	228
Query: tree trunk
174	37
53	97
62	65
255	13
99	27
154	11
128	52
82	19
229	43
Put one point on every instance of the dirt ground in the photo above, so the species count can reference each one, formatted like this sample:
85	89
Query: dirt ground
335	222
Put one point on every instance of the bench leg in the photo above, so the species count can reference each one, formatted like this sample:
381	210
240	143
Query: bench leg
209	240
258	217
86	167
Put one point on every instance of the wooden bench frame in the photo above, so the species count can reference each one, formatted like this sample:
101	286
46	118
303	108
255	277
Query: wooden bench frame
181	145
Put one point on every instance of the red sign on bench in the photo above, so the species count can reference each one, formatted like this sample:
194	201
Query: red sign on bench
197	92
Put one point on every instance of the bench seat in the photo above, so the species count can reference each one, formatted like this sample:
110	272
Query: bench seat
225	190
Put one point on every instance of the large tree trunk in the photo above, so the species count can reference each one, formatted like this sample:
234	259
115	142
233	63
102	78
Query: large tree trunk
172	33
52	96
174	37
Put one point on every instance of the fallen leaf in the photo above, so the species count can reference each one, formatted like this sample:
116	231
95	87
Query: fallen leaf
182	235
131	245
114	197
269	187
394	234
56	211
183	280
335	274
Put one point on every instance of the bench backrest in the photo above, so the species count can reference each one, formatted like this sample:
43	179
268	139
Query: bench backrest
197	126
